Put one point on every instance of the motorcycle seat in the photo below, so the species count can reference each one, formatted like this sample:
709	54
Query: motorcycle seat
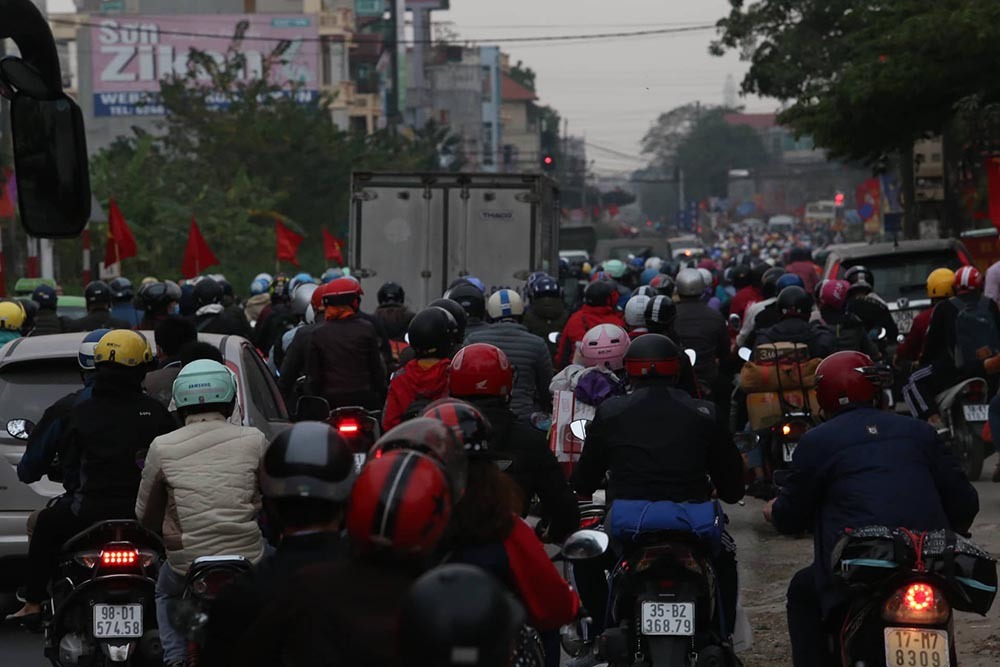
112	530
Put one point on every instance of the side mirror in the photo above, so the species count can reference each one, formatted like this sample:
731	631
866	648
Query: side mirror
745	353
735	322
406	338
579	428
312	408
585	544
553	337
692	355
900	338
881	334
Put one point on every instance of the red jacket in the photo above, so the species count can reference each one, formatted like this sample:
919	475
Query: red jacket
420	379
578	324
913	345
743	299
548	600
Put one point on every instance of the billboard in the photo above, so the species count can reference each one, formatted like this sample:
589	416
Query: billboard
130	56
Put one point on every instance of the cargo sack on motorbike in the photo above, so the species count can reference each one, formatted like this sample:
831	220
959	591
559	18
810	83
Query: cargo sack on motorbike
767	408
778	366
976	334
629	518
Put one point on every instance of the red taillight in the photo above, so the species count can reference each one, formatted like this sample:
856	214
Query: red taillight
919	597
589	522
975	392
917	602
349	426
119	557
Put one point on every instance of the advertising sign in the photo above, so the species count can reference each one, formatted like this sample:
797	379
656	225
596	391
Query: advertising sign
130	56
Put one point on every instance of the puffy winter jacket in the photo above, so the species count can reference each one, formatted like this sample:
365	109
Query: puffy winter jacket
395	319
255	305
704	330
343	360
530	357
48	321
423	380
849	331
215	318
199	486
577	326
99	318
546	314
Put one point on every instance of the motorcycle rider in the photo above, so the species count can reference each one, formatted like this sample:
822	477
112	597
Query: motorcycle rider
527	352
276	317
547	310
795	307
159	300
702	329
482	375
801	264
212	317
424	379
658	444
635	314
598	370
47	319
11	321
747	291
473	302
940	286
850	331
763	313
867	305
122	307
175	501
171	335
259	299
862	467
600	298
109	434
304	315
98	297
394	316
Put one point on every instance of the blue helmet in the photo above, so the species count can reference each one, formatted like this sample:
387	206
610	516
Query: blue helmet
535	277
637	263
788	280
545	286
330	275
647	275
259	286
477	282
85	356
45	296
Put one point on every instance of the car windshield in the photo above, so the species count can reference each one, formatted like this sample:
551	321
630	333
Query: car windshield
71	312
905	275
28	388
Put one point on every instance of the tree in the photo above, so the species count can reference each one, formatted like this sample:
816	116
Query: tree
524	75
661	140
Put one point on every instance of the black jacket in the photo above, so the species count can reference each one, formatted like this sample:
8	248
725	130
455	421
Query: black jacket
343	358
534	467
99	318
384	348
873	312
939	345
658	443
850	332
395	319
702	329
821	341
215	319
48	321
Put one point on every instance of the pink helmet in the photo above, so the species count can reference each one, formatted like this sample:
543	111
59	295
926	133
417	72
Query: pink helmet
604	345
833	293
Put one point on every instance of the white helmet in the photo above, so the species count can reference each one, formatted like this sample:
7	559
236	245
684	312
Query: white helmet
654	263
604	345
635	310
504	303
302	298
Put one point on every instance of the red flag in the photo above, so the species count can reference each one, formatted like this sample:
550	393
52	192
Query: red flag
333	248
993	175
7	195
121	243
288	243
197	255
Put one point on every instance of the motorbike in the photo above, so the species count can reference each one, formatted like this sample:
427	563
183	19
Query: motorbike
358	427
102	609
205	579
964	410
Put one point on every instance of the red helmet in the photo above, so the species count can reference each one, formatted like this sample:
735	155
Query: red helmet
833	293
480	370
399	506
430	437
848	378
968	279
342	292
469	425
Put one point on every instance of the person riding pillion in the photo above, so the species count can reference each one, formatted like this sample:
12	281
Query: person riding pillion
423	380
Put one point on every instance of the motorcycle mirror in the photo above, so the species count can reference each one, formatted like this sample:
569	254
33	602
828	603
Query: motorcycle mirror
406	338
735	322
692	355
744	353
900	338
881	334
312	408
579	428
553	337
585	544
20	428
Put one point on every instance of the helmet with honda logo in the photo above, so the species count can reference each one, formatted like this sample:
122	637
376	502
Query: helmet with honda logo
480	369
849	379
833	294
968	279
604	346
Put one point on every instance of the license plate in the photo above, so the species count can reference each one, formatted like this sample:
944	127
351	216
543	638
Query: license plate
787	449
976	413
904	320
359	461
668	618
909	647
117	620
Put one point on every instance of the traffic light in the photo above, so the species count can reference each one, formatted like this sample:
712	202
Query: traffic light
838	200
548	162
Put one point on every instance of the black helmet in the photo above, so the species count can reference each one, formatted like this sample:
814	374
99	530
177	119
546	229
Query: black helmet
457	313
457	614
795	302
390	293
432	331
653	355
769	282
742	276
545	286
470	298
45	296
660	313
227	288
121	289
861	279
157	296
207	291
600	293
97	292
309	460
757	270
663	284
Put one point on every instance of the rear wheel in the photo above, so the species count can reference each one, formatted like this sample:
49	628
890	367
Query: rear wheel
968	448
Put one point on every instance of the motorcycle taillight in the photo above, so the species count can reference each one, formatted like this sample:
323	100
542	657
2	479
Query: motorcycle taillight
975	392
210	582
917	602
119	557
348	427
590	522
794	429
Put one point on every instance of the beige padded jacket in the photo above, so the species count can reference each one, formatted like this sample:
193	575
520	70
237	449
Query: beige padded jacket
199	487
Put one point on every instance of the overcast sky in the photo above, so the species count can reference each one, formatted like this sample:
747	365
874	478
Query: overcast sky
610	90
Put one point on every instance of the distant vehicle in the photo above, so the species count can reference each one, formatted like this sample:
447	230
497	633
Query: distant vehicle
71	307
983	246
821	213
624	249
577	238
26	286
781	223
900	270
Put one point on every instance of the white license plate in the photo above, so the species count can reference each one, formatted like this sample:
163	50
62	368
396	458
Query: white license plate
910	647
668	618
117	620
976	413
904	320
787	450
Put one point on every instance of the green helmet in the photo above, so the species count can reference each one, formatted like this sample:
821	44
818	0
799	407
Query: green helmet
204	382
614	268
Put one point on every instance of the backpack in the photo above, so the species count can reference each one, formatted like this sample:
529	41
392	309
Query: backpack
976	334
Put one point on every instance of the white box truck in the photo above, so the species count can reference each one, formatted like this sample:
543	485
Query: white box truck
424	230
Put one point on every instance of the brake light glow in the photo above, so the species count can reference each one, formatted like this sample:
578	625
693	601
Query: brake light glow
919	597
917	602
589	522
786	429
118	557
348	426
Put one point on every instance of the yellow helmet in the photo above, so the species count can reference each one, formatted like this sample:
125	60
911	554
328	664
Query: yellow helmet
941	284
11	316
124	347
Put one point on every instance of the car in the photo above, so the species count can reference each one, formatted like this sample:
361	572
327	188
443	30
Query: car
35	372
71	307
900	270
781	223
624	249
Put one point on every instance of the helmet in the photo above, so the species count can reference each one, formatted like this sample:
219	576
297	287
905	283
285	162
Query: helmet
11	316
457	313
123	347
470	298
308	460
600	293
647	275
85	356
342	292
663	284
708	277
653	355
637	264
480	369
390	293
472	430
207	291
121	289
654	263
769	282
432	331
644	290
742	276
535	277
846	378
157	296
279	288
330	275
941	284
833	293
400	505
428	436
614	268
266	277
297	280
793	301
202	382
458	614
503	304
660	312
97	291
860	275
690	283
476	282
604	345
968	279
259	286
635	310
788	280
757	271
302	298
545	286
45	296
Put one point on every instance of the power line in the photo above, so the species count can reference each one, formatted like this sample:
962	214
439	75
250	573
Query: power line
612	151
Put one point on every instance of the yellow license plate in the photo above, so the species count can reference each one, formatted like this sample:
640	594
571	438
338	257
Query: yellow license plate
911	647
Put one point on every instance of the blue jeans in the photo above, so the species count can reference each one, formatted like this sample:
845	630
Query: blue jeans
169	588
